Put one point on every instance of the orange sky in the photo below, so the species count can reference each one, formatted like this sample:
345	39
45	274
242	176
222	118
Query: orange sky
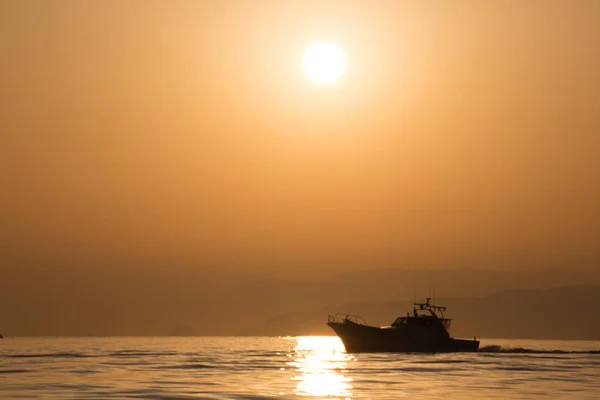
463	133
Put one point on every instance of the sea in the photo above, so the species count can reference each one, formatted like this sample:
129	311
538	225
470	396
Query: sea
307	367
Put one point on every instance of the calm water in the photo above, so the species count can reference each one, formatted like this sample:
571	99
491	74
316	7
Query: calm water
303	367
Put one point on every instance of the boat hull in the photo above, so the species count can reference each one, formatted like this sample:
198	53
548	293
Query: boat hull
358	338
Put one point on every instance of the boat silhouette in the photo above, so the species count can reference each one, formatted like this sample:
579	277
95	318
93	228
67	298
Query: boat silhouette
425	331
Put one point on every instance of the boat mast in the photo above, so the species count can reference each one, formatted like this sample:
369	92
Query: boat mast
414	287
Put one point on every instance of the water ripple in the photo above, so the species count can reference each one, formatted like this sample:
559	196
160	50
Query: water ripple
276	368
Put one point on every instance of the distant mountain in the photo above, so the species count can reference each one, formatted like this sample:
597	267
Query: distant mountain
560	313
228	301
384	284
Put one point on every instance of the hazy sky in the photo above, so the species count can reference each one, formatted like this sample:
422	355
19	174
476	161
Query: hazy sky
144	133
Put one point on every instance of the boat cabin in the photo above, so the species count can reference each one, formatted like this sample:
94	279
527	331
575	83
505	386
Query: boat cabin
425	314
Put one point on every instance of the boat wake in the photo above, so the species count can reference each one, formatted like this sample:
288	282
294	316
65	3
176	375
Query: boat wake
522	350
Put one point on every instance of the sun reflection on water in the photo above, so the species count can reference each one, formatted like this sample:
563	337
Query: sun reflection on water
321	362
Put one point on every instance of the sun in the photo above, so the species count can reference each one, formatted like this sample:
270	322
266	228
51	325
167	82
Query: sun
324	62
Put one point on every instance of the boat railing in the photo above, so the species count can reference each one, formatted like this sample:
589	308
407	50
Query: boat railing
345	318
427	306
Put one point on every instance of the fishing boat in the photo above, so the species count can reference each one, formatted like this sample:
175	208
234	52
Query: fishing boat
425	331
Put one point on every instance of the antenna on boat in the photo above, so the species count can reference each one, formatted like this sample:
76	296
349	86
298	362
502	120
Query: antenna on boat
414	287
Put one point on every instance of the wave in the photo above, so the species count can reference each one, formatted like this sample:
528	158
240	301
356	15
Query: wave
117	354
189	366
138	353
523	350
13	371
57	355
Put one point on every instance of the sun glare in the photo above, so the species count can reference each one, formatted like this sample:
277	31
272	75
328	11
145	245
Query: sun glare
321	364
324	62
